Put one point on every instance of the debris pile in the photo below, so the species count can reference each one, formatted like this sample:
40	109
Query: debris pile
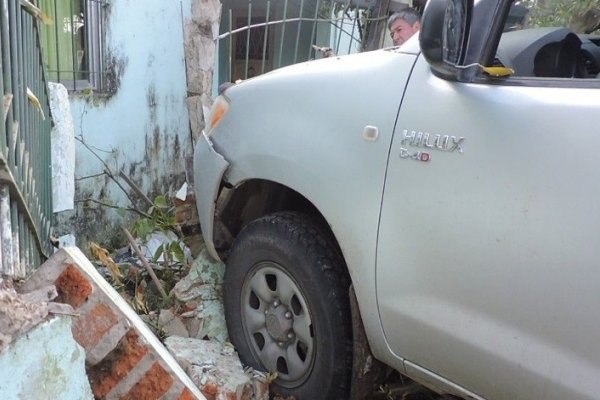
123	358
216	370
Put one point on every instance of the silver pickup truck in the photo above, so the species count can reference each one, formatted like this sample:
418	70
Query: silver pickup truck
431	207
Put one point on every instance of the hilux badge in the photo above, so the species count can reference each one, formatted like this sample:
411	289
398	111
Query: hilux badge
435	142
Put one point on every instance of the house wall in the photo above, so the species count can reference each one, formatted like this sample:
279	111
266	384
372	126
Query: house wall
142	126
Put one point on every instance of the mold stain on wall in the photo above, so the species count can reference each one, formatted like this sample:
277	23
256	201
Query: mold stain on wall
138	125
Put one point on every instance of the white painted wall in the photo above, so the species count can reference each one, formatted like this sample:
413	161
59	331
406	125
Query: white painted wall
143	128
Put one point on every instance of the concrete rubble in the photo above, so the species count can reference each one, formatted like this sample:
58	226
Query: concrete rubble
201	290
119	355
123	358
18	316
33	328
216	369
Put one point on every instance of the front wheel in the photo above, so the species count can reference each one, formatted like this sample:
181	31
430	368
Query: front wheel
286	306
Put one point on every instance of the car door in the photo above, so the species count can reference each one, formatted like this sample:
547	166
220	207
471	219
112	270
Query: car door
488	272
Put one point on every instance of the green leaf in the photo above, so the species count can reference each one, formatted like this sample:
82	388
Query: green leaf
160	201
121	212
143	227
159	252
177	251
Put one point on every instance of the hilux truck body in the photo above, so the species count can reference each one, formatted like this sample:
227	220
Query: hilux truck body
462	204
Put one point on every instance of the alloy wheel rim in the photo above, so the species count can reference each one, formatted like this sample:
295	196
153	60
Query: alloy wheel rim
278	323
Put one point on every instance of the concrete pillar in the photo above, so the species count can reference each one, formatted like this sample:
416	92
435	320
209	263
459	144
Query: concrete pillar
200	53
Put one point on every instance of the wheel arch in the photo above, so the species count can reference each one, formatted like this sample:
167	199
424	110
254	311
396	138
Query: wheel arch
236	206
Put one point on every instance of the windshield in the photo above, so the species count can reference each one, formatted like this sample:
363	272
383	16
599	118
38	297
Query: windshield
580	16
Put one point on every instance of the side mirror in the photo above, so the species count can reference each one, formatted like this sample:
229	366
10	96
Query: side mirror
443	35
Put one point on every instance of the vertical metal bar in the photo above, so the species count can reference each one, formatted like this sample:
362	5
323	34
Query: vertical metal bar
285	4
3	136
6	74
12	34
230	45
56	25
6	232
92	48
98	35
73	54
353	29
17	79
264	53
314	29
298	32
88	51
248	39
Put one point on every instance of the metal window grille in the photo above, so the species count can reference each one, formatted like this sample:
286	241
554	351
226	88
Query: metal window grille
271	34
73	42
25	176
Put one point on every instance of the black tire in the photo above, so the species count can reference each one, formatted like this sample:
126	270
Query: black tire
287	308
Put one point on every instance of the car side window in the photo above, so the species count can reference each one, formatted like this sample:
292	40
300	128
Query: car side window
551	39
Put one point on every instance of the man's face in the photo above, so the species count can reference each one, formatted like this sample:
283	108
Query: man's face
401	31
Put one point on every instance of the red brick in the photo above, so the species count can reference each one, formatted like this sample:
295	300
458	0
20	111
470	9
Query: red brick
91	328
210	390
154	384
186	395
73	287
117	364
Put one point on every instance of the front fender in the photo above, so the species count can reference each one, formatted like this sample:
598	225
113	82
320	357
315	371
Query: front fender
209	167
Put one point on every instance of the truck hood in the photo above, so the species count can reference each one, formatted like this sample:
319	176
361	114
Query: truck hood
336	68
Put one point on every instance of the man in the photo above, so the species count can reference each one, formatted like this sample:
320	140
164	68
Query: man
403	24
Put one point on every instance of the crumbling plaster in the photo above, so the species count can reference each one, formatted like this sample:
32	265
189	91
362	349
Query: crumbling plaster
141	126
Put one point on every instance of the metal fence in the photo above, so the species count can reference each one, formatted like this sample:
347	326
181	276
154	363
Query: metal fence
25	175
263	35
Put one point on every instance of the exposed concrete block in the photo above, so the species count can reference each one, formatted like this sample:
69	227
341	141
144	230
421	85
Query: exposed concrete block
44	294
202	289
63	148
171	324
206	11
216	369
18	316
198	108
124	359
197	116
45	364
204	270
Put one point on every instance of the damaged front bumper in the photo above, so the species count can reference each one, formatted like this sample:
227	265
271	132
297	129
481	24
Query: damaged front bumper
209	167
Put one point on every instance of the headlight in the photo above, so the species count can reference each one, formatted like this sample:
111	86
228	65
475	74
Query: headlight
216	114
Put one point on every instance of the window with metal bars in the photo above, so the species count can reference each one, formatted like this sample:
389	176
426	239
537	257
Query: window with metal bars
255	43
73	42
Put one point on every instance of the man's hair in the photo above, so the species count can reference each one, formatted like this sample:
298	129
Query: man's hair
410	15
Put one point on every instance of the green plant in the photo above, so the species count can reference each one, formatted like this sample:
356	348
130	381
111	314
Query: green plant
161	217
578	15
